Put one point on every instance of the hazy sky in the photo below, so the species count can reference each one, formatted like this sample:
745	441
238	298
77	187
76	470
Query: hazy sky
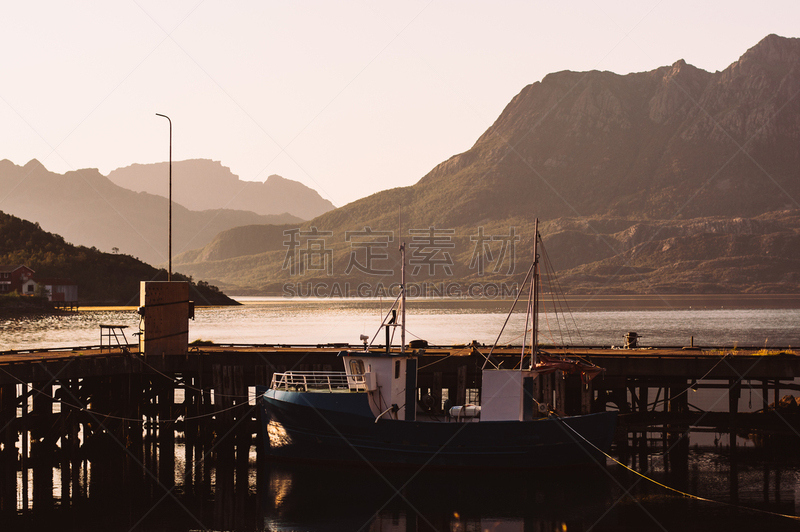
346	97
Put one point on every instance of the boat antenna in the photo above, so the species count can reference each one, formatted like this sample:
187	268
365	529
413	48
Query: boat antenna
535	294
528	315
385	322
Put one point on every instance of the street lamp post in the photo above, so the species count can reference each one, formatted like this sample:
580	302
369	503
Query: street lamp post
169	271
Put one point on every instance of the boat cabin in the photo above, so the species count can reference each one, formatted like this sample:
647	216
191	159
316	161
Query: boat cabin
503	395
391	382
389	379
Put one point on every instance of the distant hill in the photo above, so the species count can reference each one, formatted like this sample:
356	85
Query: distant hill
102	278
673	180
202	184
86	208
609	255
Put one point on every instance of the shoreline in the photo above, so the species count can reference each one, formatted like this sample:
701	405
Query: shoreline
574	302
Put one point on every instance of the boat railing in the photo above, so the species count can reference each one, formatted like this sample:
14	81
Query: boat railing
317	381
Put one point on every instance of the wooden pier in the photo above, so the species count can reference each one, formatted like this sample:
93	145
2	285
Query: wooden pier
120	413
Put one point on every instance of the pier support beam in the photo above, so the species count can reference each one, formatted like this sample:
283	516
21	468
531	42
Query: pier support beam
587	397
560	387
74	440
8	449
190	411
166	433
63	455
437	391
677	437
734	392
225	449
461	388
23	448
42	446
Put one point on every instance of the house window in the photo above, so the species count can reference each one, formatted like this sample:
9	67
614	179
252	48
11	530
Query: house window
30	288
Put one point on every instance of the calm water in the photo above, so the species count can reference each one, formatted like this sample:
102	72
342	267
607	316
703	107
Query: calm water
302	322
602	497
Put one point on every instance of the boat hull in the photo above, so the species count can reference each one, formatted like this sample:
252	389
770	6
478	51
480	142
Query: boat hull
340	428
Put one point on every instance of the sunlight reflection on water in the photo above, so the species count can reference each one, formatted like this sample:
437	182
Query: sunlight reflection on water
306	322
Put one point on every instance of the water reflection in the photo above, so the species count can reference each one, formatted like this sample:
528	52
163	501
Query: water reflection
300	497
278	437
338	499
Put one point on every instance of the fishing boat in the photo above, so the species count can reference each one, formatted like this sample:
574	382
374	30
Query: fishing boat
369	412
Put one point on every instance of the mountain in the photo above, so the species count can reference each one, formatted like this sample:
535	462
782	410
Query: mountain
201	184
102	278
673	180
676	142
86	208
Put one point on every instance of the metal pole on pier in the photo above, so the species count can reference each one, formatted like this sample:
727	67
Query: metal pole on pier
169	271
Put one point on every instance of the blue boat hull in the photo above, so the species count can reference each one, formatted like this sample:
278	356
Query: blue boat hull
341	428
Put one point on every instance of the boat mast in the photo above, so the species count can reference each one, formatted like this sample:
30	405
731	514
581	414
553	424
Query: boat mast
403	298
402	281
535	293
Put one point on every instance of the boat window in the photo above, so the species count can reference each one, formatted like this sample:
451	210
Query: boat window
357	367
396	369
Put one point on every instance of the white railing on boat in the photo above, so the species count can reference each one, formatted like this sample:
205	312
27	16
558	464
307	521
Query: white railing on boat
317	381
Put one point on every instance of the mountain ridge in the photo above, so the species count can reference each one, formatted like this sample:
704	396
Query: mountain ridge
676	148
202	184
86	208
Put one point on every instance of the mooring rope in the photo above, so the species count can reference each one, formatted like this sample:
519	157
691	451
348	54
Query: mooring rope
670	488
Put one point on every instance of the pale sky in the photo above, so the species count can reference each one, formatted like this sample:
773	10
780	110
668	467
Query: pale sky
347	97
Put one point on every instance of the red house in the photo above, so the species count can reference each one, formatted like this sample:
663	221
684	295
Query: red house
16	278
